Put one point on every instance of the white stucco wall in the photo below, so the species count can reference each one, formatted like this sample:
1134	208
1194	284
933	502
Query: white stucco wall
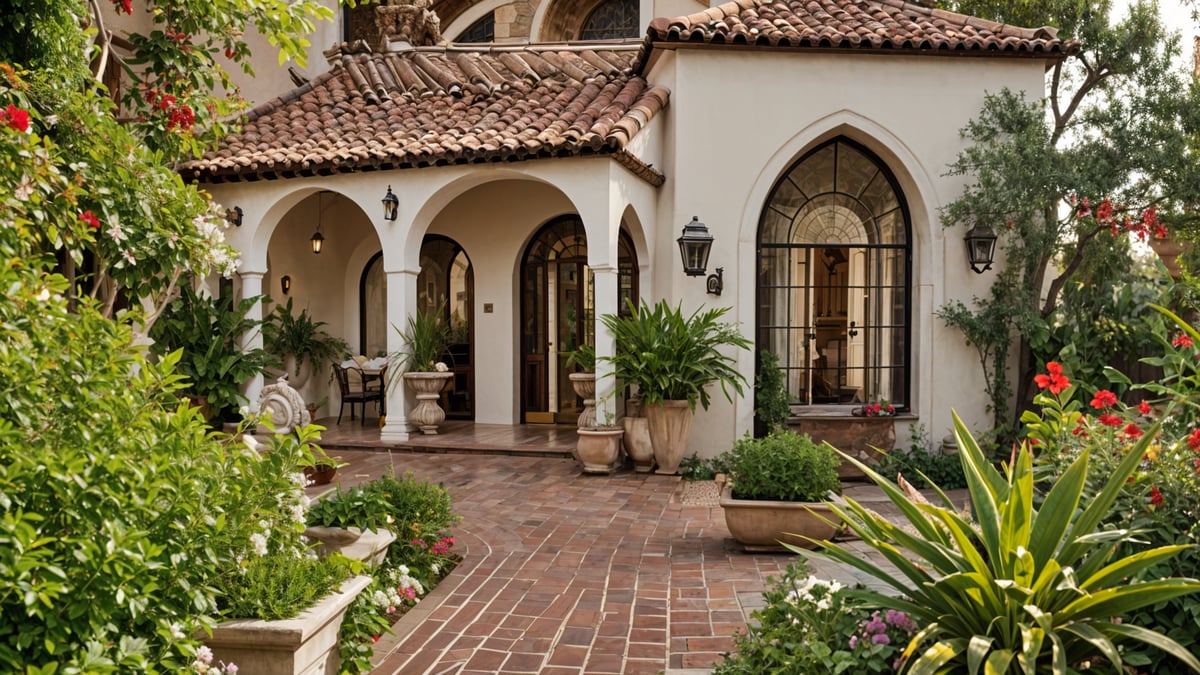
739	119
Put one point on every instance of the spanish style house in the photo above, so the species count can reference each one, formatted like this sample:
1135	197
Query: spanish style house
546	155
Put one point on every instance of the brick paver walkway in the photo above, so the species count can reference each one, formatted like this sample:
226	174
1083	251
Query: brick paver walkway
567	574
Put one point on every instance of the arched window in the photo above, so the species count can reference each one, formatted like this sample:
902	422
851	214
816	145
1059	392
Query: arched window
833	279
611	20
483	30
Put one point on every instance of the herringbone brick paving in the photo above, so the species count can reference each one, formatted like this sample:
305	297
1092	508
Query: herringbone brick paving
565	573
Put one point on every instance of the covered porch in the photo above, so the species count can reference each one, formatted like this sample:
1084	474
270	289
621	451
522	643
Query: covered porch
455	436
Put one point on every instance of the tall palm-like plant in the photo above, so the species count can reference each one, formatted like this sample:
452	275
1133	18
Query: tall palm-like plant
675	358
1020	589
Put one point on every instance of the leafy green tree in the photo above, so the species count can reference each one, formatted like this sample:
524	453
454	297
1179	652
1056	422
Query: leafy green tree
1111	155
130	228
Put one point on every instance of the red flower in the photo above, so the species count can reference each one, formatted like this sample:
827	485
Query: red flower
90	218
1144	408
1156	497
126	5
1056	381
1110	420
1132	430
1104	211
1194	440
1079	430
1104	399
1184	340
15	118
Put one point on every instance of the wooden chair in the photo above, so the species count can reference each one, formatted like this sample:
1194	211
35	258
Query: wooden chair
356	394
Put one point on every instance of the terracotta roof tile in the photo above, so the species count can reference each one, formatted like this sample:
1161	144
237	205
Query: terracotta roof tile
443	105
853	24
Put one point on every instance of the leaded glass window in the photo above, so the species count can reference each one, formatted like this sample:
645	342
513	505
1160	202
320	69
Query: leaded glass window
483	30
611	20
833	279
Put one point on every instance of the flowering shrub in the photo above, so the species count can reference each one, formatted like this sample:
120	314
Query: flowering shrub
1162	499
813	626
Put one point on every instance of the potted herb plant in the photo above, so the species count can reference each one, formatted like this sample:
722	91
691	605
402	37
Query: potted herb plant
776	491
302	343
673	359
425	339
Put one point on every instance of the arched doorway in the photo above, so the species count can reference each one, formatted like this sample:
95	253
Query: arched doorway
558	314
834	250
446	281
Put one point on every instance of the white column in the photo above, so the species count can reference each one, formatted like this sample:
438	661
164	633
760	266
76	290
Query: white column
252	287
605	287
401	297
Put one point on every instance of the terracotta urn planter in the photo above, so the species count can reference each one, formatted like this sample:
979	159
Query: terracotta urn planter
762	525
585	388
306	644
1169	250
428	415
637	443
598	448
670	423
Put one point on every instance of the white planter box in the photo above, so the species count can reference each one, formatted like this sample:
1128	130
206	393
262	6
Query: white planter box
304	645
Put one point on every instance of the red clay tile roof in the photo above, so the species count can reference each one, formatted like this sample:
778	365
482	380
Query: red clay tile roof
443	105
854	24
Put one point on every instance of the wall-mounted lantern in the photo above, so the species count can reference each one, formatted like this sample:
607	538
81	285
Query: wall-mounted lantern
285	283
234	216
391	204
981	248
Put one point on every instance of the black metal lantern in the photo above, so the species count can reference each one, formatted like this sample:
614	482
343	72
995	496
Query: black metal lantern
981	248
234	216
391	204
317	241
694	246
285	283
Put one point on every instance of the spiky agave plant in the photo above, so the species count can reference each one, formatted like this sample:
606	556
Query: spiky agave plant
1017	589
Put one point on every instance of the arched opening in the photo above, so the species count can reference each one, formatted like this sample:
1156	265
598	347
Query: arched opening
483	30
590	20
833	282
446	283
558	315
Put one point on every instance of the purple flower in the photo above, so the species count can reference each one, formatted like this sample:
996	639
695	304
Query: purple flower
853	642
880	639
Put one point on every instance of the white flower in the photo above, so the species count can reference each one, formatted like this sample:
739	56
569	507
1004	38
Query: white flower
204	654
129	257
115	231
43	295
177	631
260	544
24	189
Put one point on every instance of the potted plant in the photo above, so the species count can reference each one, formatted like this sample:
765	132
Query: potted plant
672	359
776	491
425	340
353	523
599	444
320	469
208	332
584	382
301	342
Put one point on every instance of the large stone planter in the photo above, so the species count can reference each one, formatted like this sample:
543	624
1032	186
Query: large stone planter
670	423
428	415
598	448
585	388
304	645
762	525
637	443
863	438
370	547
